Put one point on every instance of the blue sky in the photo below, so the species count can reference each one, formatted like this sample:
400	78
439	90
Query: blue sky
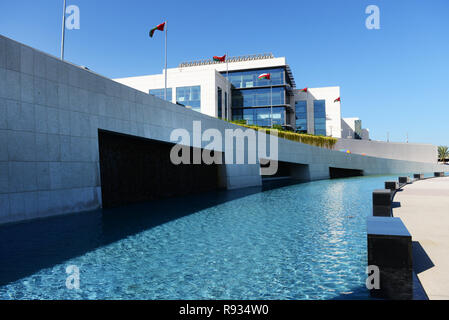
395	79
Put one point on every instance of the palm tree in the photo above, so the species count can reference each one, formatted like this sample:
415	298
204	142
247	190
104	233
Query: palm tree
443	153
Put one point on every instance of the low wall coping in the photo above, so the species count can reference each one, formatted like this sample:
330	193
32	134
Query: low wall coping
387	226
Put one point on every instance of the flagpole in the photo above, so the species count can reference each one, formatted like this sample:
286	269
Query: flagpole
271	101
228	117
165	88
63	31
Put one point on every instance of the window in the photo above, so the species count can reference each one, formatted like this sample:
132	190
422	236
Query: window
226	106
189	97
160	93
319	112
301	115
220	103
260	116
258	97
249	79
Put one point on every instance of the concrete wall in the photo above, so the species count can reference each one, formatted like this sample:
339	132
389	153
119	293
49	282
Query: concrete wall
390	150
50	113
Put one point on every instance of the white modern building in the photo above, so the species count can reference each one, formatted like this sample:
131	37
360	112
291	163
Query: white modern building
318	112
233	91
202	90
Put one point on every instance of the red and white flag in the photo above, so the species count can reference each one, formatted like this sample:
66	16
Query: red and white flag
159	27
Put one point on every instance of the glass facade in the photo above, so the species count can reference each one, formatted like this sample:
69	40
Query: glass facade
190	97
160	93
220	102
257	97
249	79
319	112
252	97
260	116
226	106
301	116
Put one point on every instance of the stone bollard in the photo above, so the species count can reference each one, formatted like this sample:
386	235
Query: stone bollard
382	203
438	174
390	249
391	185
418	176
403	180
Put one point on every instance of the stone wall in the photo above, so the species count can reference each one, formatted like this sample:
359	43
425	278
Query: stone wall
50	115
390	150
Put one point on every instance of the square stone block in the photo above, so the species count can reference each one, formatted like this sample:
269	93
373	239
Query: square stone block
390	249
382	197
418	176
404	180
382	203
391	185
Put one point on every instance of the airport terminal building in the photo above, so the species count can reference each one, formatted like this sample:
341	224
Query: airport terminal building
232	90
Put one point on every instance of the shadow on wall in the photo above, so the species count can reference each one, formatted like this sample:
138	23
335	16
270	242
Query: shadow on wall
344	173
135	169
296	171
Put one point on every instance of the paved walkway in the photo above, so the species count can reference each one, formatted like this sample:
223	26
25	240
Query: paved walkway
424	209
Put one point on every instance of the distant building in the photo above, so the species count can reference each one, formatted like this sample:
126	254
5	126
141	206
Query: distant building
232	90
351	128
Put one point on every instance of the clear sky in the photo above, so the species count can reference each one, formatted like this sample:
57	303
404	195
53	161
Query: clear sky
395	79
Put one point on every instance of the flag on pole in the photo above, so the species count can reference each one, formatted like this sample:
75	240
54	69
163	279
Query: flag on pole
303	90
265	76
159	27
337	100
219	59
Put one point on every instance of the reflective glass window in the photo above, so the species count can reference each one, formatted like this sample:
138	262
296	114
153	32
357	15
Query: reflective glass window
250	78
301	115
190	97
220	102
319	111
160	93
258	97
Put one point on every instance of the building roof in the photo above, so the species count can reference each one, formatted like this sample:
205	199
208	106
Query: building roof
203	62
238	59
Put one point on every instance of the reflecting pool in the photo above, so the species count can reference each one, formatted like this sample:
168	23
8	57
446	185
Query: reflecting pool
301	241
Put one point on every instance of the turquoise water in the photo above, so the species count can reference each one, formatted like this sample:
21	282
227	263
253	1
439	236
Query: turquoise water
303	241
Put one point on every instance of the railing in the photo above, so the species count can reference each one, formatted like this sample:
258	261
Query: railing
202	62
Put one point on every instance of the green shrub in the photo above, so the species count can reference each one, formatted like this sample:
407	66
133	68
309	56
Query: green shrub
318	141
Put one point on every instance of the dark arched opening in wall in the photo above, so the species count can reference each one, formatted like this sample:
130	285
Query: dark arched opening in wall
135	169
335	173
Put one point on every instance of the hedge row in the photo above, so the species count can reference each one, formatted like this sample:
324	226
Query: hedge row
318	141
